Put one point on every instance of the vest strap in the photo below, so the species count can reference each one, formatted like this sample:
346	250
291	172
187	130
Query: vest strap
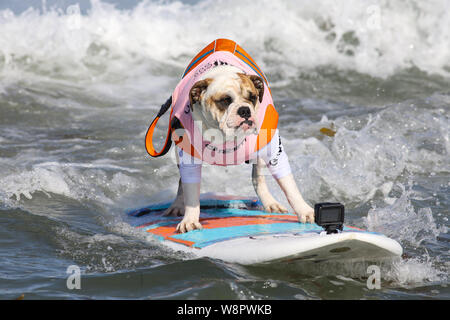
149	136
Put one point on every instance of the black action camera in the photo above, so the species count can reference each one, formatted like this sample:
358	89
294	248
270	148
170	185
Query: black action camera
329	216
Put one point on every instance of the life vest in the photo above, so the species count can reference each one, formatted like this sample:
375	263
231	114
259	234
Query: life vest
190	138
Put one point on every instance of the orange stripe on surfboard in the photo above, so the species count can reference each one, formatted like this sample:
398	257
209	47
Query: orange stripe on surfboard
212	223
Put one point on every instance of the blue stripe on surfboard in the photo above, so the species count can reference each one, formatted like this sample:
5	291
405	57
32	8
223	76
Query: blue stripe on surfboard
203	202
206	237
233	212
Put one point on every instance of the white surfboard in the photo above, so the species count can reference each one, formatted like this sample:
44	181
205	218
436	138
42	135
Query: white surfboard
237	230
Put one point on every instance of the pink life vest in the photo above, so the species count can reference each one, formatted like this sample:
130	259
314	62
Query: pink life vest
219	52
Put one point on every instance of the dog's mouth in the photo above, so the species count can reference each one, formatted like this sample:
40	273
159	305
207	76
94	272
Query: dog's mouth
241	125
245	125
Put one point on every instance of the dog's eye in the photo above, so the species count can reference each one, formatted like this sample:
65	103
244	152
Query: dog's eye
224	102
252	98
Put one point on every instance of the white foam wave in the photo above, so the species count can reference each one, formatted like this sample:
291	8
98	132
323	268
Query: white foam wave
375	37
402	222
74	182
415	272
411	227
27	182
109	252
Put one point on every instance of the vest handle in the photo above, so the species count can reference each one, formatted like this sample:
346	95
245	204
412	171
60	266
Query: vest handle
149	136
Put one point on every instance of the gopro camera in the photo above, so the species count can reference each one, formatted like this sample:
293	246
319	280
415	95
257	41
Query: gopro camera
329	216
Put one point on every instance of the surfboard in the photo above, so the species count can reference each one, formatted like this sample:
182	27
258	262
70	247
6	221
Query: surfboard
237	230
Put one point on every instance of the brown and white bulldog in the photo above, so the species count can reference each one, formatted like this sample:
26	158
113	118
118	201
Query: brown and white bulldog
227	100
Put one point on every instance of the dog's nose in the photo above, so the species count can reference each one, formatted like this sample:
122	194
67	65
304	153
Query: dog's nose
244	112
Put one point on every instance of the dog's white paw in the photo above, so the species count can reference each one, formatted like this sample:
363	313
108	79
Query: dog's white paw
275	207
306	215
175	210
188	224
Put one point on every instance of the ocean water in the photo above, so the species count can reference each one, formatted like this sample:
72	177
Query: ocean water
80	82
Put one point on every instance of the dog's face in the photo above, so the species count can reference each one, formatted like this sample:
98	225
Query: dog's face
228	100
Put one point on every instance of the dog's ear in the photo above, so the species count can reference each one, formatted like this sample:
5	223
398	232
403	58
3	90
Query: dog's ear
259	85
196	91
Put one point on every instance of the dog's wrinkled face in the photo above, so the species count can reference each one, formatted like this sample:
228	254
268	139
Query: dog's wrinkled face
228	100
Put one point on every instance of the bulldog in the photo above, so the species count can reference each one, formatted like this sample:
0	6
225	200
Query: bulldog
226	100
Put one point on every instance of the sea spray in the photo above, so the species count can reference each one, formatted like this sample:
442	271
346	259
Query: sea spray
284	37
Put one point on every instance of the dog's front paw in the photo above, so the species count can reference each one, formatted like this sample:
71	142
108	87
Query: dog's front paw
275	207
176	209
306	215
188	224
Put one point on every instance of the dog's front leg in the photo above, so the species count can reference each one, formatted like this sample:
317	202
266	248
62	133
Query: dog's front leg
259	183
304	212
176	209
191	195
188	195
278	165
